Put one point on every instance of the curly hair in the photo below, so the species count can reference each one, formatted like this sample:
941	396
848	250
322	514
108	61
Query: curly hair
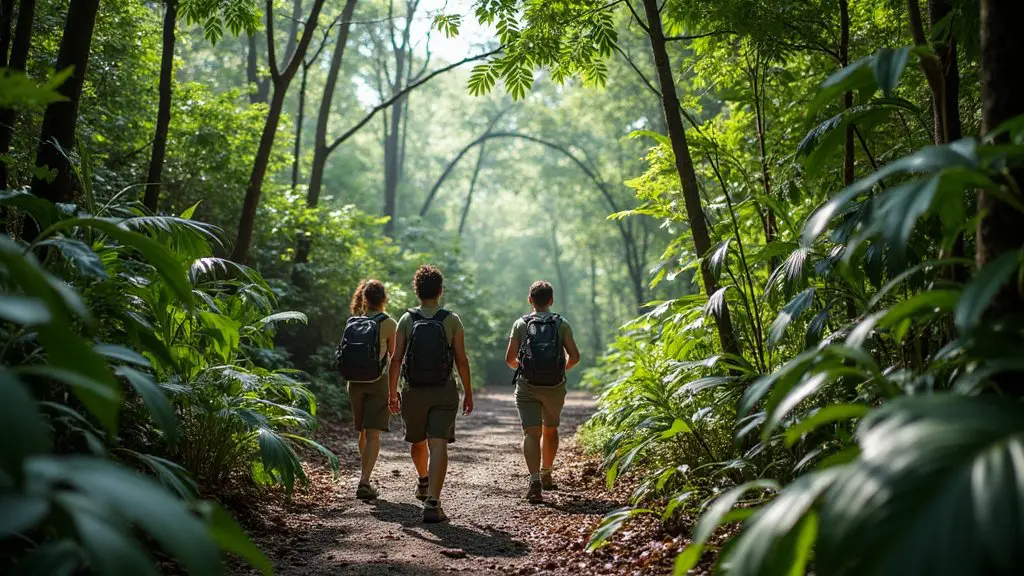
428	282
541	293
369	295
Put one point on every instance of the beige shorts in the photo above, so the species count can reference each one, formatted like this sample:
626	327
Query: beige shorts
540	405
429	412
370	405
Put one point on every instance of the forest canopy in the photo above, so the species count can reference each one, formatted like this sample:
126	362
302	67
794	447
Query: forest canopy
788	235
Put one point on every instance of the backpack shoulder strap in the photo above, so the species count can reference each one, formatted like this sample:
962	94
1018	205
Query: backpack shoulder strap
441	315
380	317
415	314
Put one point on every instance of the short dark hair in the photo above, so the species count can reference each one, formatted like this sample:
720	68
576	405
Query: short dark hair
428	282
541	293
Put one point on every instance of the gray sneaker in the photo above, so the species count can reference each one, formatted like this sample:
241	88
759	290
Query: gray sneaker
432	512
366	492
547	481
421	492
535	493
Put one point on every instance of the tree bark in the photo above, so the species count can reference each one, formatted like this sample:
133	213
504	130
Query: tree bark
281	78
19	46
1001	228
595	311
556	258
472	187
768	216
320	148
259	87
163	115
849	160
946	113
300	117
57	136
687	176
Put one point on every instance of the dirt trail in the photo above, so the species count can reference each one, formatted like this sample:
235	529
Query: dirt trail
489	521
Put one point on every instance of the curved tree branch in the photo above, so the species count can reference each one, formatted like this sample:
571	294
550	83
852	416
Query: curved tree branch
398	95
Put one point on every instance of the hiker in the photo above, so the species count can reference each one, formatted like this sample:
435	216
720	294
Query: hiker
430	341
540	349
362	358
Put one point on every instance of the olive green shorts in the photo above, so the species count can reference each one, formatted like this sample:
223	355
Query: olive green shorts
370	404
540	405
429	412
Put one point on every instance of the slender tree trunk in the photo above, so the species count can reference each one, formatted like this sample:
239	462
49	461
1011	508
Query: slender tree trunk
595	311
849	160
259	87
57	137
392	143
19	46
300	117
163	115
687	176
320	148
6	17
472	187
947	116
556	258
1001	228
293	29
768	216
281	79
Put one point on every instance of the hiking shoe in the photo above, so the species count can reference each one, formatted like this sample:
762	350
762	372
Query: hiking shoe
534	494
366	492
421	491
547	482
432	512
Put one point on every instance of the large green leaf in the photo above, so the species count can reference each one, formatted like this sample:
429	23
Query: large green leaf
983	288
230	537
610	524
160	408
20	424
23	310
101	395
789	312
938	490
162	260
40	209
79	255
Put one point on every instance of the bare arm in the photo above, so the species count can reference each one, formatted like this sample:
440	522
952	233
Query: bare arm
398	345
512	354
572	351
462	365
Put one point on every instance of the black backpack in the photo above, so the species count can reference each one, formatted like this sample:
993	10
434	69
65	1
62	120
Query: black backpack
428	357
358	355
541	358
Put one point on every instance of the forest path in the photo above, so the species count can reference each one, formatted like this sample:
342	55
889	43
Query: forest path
490	523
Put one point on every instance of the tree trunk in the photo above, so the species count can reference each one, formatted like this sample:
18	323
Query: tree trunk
19	46
849	160
57	136
687	176
391	152
163	115
1001	228
556	258
947	116
595	311
768	215
472	187
259	88
300	117
320	148
281	79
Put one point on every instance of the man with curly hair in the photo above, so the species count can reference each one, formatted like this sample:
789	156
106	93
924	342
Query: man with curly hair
430	342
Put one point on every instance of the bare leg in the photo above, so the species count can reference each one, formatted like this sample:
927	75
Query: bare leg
549	447
531	449
368	453
362	442
419	458
438	466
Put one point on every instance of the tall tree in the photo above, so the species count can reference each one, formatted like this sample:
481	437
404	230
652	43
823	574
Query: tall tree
15	60
1001	227
687	176
237	15
57	136
281	78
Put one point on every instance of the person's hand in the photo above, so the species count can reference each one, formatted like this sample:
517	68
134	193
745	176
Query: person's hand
467	405
395	403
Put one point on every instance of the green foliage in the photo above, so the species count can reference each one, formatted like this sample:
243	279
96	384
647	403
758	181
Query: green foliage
215	15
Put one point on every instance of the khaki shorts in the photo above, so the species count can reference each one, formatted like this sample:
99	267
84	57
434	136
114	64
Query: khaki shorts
370	404
540	405
429	412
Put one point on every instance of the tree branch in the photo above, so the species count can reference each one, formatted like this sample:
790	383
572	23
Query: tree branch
383	105
704	35
307	37
637	17
271	53
657	92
